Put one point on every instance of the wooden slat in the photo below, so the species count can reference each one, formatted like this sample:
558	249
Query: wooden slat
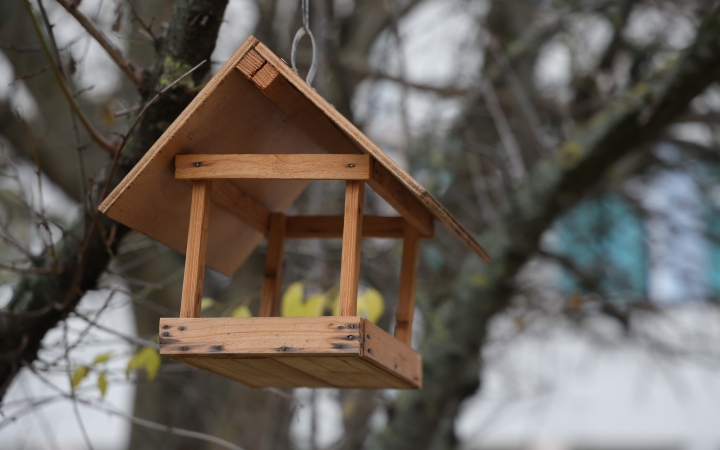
307	366
271	366
358	372
303	227
352	240
268	336
406	293
389	352
273	167
196	249
237	202
342	352
251	63
231	369
270	303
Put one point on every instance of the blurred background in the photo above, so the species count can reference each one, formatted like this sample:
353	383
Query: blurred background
577	139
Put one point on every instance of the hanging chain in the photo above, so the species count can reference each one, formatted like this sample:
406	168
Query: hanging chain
305	29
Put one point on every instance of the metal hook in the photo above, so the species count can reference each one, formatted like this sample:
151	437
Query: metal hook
305	29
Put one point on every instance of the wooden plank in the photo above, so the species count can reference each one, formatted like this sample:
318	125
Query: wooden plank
229	368
304	227
386	351
352	240
406	293
357	372
273	167
306	365
403	204
297	378
237	202
270	303
251	63
196	249
255	336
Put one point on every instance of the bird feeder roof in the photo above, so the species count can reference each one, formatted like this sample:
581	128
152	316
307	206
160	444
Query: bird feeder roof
256	104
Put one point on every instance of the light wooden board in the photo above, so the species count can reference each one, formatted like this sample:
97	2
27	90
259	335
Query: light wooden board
294	352
260	335
304	227
196	249
273	167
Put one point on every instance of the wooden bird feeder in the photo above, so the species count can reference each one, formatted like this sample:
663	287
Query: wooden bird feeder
218	181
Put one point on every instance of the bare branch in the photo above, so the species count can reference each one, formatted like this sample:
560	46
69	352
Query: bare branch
104	143
135	73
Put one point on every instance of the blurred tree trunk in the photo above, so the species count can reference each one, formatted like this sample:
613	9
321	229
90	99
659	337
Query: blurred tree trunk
458	318
41	300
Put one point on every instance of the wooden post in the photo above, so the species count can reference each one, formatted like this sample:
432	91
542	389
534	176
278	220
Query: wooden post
196	247
352	238
270	304
406	294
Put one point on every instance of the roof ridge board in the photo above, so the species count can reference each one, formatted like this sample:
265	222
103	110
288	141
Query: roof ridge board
365	144
250	43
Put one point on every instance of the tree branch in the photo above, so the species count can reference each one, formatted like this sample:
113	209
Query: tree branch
424	419
83	252
135	73
103	142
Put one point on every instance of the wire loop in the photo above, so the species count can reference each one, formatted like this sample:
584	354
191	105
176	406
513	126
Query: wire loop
305	29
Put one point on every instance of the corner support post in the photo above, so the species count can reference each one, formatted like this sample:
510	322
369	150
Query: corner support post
196	249
272	281
406	293
352	238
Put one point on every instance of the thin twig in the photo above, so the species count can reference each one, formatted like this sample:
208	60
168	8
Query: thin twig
128	338
41	205
135	73
73	395
138	18
138	421
520	94
38	270
107	145
116	159
517	165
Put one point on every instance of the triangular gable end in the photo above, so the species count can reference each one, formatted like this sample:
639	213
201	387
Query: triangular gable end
256	104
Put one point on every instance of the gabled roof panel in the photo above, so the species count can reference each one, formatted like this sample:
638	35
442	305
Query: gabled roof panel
255	104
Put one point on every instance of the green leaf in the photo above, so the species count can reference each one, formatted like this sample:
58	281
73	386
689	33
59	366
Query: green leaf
102	383
241	311
206	303
78	375
147	358
103	357
371	305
